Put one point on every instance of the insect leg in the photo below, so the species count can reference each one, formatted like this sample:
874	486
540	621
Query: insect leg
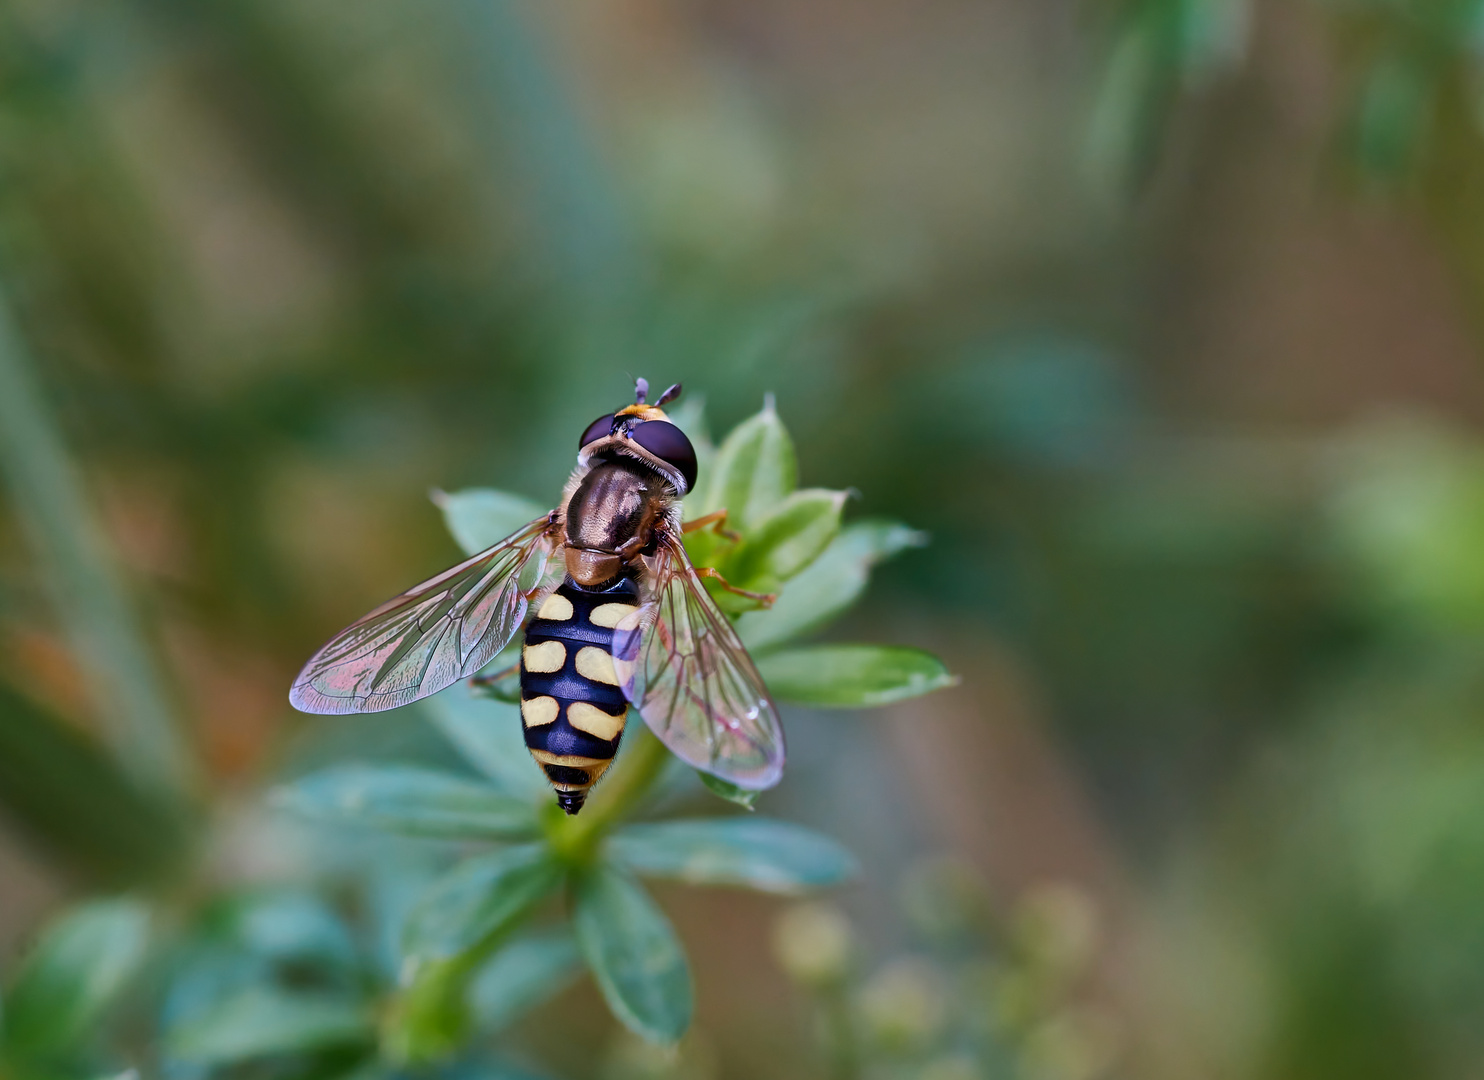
765	599
716	521
493	677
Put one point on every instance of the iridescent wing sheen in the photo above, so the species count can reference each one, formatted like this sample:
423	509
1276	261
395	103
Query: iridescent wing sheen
433	634
682	665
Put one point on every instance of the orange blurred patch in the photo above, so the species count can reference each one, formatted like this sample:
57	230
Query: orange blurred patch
235	698
42	667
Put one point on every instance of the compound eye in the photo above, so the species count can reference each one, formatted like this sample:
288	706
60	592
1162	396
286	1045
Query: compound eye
600	428
668	443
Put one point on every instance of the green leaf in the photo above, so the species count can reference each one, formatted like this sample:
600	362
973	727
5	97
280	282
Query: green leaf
757	853
690	417
74	562
407	800
753	471
481	517
792	535
73	800
853	676
1396	106
829	585
521	976
490	736
283	925
263	1021
635	958
82	963
729	791
479	898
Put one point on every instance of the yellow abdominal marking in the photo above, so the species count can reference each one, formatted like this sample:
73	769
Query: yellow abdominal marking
572	761
595	664
539	710
544	658
557	608
608	614
593	720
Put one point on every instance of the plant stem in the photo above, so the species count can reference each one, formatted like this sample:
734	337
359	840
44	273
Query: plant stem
430	1018
92	604
839	1035
576	838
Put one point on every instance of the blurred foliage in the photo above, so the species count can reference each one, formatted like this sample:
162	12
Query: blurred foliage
983	992
274	270
278	980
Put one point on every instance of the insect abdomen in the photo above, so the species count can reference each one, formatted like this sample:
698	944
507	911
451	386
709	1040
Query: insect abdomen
571	704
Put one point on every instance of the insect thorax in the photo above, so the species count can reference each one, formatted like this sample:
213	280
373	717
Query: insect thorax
615	502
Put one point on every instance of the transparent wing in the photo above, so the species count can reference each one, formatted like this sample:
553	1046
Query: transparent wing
435	633
682	665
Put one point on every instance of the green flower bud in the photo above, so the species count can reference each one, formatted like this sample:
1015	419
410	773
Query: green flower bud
905	1005
631	1058
813	944
944	898
1055	927
1077	1044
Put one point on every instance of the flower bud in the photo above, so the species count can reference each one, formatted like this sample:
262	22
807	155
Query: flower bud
632	1058
1077	1044
904	1005
812	944
944	898
1056	928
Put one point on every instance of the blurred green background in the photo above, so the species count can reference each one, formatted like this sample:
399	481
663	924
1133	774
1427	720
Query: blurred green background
1162	317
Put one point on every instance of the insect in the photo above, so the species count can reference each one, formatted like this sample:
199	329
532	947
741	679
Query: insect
622	618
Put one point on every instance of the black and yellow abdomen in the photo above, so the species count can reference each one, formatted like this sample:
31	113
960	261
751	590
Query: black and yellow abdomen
571	704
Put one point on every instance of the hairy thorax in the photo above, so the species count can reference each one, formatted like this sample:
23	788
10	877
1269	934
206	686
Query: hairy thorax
610	519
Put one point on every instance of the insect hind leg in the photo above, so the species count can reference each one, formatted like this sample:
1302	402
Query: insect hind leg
763	599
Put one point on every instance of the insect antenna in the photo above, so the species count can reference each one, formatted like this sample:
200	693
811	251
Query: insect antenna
669	395
641	390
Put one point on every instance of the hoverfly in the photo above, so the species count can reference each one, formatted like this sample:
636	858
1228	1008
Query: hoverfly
622	619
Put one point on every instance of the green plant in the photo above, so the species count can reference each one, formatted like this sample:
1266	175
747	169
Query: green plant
981	991
791	542
511	897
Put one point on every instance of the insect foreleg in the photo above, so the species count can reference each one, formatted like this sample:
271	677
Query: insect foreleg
716	522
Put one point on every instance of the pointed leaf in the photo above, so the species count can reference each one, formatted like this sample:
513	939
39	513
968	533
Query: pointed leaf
635	957
729	791
490	736
76	971
771	856
407	800
481	517
480	897
753	471
521	976
829	585
75	801
792	535
853	676
263	1021
285	926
